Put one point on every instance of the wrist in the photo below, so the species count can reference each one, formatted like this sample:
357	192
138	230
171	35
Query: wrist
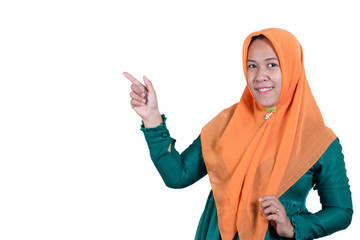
291	233
153	120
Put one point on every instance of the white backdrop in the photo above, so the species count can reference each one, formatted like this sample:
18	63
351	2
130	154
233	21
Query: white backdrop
73	162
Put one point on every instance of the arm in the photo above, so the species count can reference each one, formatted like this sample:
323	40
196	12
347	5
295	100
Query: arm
333	188
177	170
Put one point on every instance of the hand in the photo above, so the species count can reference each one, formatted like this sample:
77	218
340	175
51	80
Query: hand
275	212
144	101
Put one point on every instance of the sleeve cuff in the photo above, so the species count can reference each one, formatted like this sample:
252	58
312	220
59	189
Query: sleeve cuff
296	229
157	134
160	127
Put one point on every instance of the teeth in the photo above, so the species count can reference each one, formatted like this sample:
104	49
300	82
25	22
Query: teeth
264	89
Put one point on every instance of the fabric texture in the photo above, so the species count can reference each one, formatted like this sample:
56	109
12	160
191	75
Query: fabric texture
327	176
248	157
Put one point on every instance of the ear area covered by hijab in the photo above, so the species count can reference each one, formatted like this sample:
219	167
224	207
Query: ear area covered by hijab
248	157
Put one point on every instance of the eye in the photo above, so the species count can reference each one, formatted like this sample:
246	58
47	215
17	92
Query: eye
271	65
251	66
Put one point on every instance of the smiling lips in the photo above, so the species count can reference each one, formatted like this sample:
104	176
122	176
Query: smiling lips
264	90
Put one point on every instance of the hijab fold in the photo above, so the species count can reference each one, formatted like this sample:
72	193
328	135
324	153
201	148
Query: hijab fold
248	157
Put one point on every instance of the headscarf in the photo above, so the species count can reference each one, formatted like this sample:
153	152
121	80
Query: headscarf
248	157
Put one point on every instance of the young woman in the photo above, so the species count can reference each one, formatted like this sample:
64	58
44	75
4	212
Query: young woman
262	155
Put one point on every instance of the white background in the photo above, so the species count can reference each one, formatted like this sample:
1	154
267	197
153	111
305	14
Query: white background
73	162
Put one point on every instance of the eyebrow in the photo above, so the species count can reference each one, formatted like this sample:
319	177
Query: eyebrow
271	59
267	59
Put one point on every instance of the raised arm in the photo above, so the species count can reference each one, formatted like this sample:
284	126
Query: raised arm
177	170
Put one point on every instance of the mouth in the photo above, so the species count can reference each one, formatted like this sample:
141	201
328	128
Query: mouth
264	90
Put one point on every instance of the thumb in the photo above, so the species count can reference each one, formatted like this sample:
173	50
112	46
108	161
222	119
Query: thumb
148	84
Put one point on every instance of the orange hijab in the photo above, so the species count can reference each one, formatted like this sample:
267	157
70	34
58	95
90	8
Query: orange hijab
248	157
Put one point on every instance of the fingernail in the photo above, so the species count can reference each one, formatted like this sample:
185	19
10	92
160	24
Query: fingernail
260	199
143	94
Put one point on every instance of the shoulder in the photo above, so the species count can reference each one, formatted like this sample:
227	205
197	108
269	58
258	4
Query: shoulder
226	112
331	163
223	117
333	153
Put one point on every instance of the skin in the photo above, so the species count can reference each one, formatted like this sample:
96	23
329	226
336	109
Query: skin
263	73
144	101
278	219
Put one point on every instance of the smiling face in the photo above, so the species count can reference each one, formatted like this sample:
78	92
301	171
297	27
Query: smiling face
264	73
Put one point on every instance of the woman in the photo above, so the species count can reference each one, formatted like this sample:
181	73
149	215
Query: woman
262	155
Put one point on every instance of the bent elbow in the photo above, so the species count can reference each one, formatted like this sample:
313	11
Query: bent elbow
343	218
174	184
179	181
348	212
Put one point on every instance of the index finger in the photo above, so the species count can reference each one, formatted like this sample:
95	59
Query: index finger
131	78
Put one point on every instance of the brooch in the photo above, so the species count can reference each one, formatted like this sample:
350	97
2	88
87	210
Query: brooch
268	115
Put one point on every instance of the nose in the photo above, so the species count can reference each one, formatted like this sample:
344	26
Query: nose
261	75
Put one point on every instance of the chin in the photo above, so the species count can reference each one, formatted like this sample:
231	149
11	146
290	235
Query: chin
267	104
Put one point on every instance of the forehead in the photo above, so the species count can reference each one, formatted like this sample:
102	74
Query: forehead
261	48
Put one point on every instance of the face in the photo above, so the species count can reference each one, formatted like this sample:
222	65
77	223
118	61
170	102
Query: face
264	73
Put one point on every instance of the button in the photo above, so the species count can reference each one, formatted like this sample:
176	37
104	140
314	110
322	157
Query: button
165	135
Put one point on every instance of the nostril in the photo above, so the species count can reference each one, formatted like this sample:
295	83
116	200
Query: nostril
263	79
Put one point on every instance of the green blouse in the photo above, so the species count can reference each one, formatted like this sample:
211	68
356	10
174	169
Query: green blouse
327	176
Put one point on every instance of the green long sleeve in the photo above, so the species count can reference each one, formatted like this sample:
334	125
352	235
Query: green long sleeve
333	188
177	170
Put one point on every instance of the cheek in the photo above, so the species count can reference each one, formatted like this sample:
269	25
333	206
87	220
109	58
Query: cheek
250	78
250	82
278	80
